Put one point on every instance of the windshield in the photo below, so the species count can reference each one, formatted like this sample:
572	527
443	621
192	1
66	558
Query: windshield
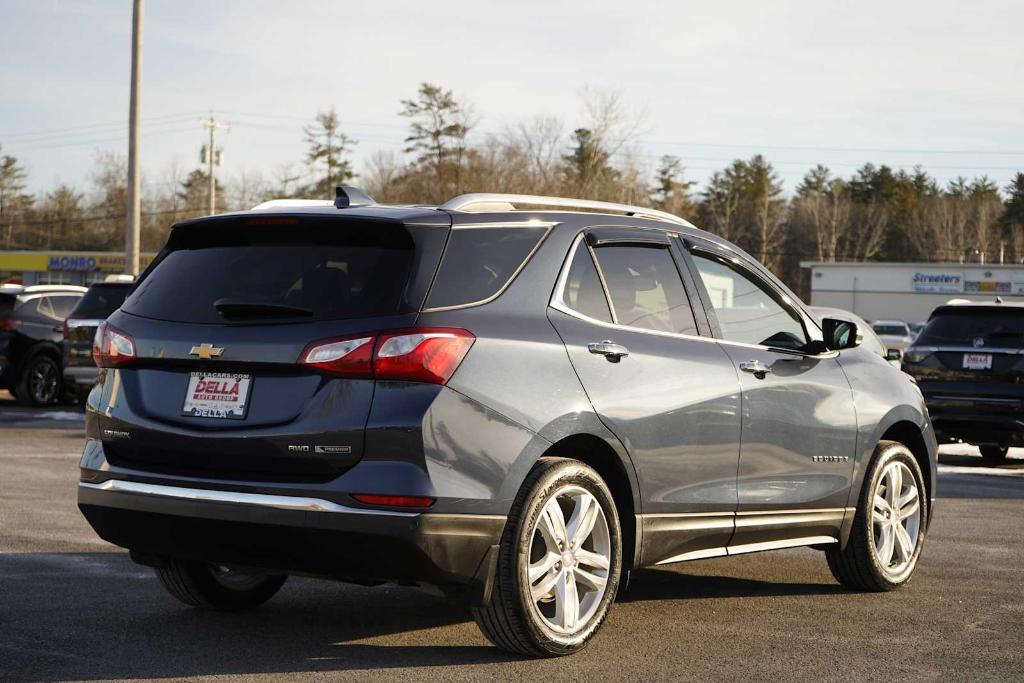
892	330
217	274
994	328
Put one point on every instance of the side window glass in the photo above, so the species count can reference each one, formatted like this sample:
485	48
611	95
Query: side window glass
746	311
45	308
62	305
583	291
479	262
646	289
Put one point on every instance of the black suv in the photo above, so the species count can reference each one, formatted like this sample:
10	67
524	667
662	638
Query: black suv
30	336
102	299
516	406
969	362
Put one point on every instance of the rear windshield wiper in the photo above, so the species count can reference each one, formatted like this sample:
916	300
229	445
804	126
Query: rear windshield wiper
235	308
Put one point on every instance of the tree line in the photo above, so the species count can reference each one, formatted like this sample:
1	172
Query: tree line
877	213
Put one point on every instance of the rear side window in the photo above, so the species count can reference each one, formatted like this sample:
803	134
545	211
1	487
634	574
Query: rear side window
995	328
63	305
315	270
583	291
479	262
646	289
100	301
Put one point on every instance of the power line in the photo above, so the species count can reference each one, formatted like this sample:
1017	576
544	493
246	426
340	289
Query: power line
95	128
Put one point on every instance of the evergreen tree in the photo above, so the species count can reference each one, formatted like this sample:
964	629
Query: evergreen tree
587	164
328	145
13	198
438	133
671	193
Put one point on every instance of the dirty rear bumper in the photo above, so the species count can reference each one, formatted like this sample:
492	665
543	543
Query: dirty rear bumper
293	534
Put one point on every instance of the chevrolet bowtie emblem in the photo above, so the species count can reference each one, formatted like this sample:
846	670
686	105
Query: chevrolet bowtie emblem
206	351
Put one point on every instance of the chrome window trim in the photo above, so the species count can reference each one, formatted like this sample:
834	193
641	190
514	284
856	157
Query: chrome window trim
512	278
237	498
557	302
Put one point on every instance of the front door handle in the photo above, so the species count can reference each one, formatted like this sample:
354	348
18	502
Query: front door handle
609	349
756	368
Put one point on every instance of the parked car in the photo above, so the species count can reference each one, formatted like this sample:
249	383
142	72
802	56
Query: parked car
102	299
895	334
30	337
865	334
516	406
969	362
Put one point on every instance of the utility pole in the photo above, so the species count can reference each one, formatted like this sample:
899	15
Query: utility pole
211	155
134	208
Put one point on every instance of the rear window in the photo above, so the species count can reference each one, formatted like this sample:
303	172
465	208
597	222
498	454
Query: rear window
892	330
996	328
479	262
321	270
100	301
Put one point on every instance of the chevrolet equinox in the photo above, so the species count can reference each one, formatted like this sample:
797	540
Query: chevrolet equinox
516	406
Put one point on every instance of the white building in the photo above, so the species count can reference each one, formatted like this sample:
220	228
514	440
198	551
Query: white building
910	291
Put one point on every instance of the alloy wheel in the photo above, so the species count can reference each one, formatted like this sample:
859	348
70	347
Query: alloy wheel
569	560
42	382
896	518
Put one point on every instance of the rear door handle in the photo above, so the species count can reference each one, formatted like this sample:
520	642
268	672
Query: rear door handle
609	349
756	368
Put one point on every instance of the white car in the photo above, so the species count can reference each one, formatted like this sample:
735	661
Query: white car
895	334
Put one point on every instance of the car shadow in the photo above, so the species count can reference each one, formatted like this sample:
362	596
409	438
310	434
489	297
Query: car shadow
98	615
667	584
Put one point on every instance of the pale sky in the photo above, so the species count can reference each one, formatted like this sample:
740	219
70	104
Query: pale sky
935	83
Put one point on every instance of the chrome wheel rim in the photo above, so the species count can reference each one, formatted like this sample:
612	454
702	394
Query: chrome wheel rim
42	382
896	518
569	561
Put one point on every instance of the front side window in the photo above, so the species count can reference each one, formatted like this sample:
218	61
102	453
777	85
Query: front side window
746	310
645	288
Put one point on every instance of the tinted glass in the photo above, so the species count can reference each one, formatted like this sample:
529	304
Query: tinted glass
100	301
333	270
479	262
892	330
746	311
44	307
583	292
996	328
7	302
63	305
646	289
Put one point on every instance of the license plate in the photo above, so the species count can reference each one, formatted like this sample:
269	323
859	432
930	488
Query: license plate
223	395
977	361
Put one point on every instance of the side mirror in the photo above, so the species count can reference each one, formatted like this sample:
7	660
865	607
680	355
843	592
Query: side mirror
839	334
893	354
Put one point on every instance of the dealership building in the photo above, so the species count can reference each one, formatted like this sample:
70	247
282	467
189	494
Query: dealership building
62	267
910	291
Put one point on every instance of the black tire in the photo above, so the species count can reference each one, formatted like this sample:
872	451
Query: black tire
40	383
857	566
511	620
994	453
207	586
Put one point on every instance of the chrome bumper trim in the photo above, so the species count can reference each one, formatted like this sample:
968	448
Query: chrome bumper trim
237	498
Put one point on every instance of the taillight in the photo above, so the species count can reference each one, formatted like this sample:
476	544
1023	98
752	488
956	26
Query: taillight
112	347
394	501
423	354
8	324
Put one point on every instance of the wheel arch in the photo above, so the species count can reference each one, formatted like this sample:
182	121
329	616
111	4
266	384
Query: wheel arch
911	436
617	473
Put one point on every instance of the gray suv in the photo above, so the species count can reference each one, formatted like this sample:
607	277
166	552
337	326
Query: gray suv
516	406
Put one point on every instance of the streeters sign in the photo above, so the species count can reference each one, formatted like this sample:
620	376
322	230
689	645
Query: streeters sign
938	282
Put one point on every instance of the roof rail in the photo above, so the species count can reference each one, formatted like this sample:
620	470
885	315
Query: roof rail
483	201
292	203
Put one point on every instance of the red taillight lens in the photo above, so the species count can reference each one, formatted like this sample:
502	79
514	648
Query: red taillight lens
429	354
394	501
8	324
112	347
342	357
423	354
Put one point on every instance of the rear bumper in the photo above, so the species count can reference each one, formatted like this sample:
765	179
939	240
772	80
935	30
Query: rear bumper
976	418
293	534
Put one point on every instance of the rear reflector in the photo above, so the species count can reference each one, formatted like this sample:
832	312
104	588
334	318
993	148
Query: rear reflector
422	354
112	347
394	501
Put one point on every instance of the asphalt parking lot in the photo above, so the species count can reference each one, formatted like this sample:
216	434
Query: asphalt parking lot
74	607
